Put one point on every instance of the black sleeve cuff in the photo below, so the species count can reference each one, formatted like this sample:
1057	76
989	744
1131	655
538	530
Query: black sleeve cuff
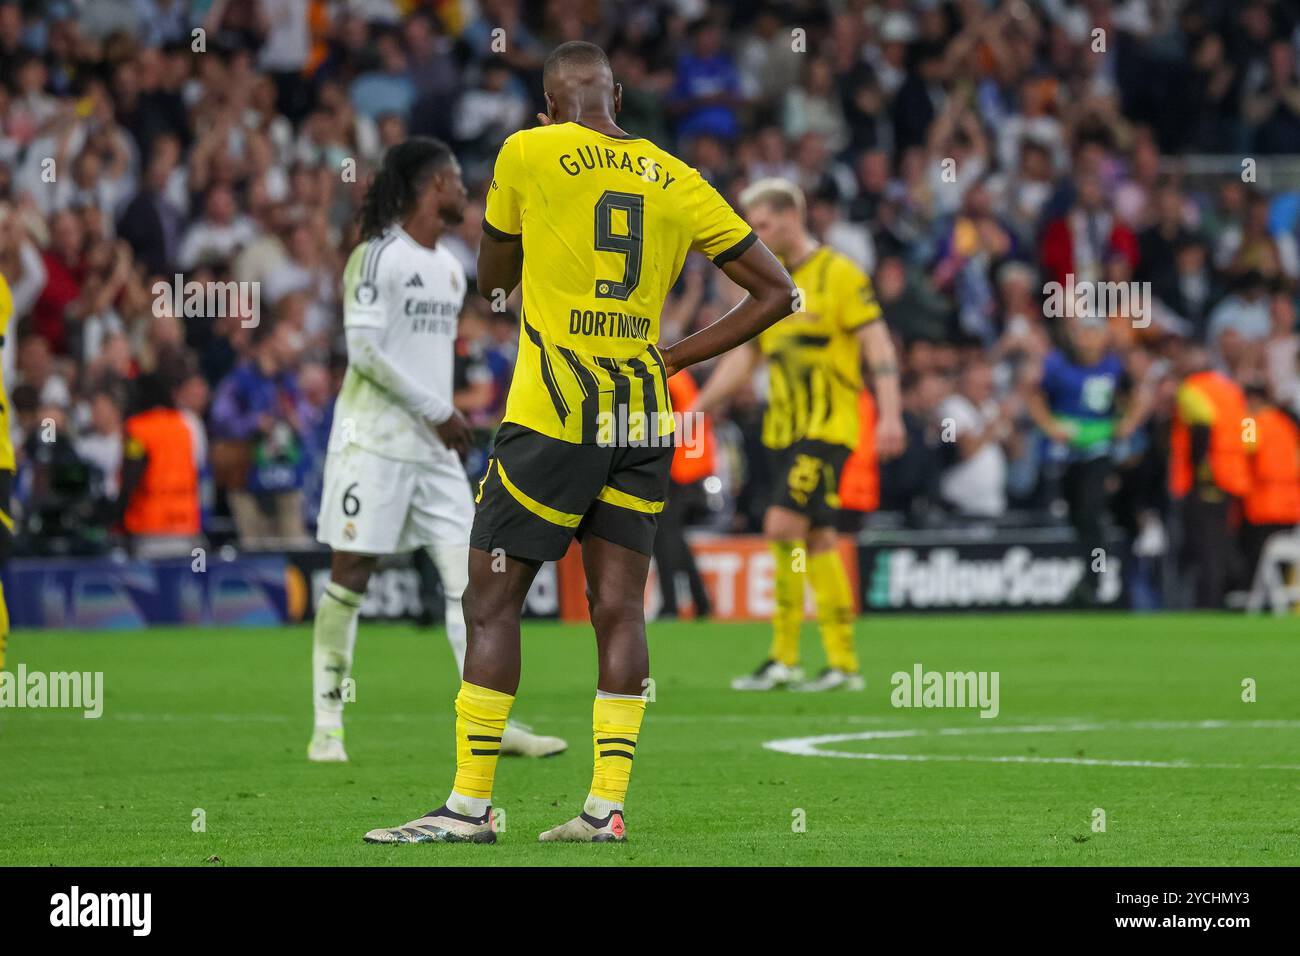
497	234
736	251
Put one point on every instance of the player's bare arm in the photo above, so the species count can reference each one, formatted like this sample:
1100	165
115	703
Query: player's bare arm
500	266
882	362
770	299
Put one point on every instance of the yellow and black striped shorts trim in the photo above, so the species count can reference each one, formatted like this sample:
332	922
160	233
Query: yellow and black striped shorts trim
539	492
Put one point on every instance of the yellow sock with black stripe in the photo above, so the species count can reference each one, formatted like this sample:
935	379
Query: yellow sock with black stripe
615	725
830	584
481	715
787	585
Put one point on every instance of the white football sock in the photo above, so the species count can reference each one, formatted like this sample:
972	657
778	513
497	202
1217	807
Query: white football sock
467	806
599	807
452	562
333	639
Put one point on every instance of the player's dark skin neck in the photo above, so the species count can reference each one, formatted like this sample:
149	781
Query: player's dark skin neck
589	108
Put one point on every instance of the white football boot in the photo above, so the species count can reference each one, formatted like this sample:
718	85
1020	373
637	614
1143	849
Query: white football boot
833	679
518	740
584	828
327	746
439	826
770	676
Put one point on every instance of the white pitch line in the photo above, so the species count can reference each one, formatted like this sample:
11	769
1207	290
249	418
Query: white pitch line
412	717
811	746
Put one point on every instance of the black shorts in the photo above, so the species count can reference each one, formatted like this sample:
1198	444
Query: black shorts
806	479
540	492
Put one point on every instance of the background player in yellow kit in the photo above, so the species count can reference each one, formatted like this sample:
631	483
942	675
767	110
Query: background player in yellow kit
6	467
814	359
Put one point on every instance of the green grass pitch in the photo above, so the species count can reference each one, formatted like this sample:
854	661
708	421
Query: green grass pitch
1140	717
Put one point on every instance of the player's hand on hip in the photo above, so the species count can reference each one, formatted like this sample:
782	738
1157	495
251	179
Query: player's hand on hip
455	433
670	367
891	439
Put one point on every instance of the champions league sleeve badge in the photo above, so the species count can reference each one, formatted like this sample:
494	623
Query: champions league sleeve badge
366	293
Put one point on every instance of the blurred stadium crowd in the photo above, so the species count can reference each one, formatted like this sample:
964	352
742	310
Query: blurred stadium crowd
965	153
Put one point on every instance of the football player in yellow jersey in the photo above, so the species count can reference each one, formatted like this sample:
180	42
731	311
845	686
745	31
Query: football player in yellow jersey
814	360
596	224
6	467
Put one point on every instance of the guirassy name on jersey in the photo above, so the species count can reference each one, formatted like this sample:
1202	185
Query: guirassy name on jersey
602	157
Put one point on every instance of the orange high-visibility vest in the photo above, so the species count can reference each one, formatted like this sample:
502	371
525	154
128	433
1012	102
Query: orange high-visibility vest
696	463
860	482
318	28
166	501
1227	455
1274	496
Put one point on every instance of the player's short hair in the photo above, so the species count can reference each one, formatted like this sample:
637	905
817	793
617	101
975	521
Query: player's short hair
779	195
573	54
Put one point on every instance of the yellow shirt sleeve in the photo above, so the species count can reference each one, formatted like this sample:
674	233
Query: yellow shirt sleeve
6	444
503	216
720	233
6	306
851	289
1194	406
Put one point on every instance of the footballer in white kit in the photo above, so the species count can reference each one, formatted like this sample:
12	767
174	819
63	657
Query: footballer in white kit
391	484
394	480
